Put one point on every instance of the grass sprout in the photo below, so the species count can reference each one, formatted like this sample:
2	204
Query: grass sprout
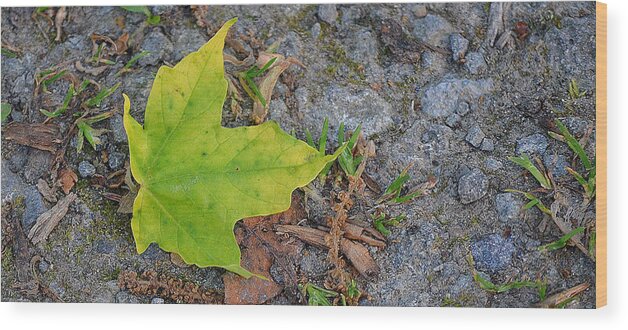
562	242
348	162
246	80
66	102
317	296
574	90
97	100
381	222
87	132
540	176
533	201
150	18
129	64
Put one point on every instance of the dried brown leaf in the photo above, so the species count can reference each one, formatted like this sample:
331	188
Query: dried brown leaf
67	179
39	136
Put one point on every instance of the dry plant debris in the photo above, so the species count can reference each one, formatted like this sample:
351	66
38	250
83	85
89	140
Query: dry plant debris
151	284
47	222
39	136
261	249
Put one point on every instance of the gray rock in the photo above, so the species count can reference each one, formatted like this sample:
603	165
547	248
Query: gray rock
187	41
436	63
492	253
576	126
349	106
487	144
116	160
124	297
459	46
159	47
328	13
532	144
419	10
493	164
37	165
33	207
453	120
556	164
43	266
14	187
116	125
104	246
508	207
475	136
86	169
463	108
315	31
362	47
157	300
443	99
472	186
312	264
154	253
18	159
475	63
433	29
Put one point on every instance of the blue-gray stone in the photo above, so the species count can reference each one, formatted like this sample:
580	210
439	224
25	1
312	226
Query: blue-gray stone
86	169
532	144
492	253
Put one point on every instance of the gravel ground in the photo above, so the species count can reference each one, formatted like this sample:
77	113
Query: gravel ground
457	112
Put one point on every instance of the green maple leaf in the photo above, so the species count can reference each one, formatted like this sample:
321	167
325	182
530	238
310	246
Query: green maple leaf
197	178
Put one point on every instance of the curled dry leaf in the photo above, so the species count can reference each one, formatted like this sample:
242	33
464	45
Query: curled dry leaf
59	18
267	85
67	179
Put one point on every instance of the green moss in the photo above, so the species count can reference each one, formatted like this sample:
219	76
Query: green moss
7	259
295	23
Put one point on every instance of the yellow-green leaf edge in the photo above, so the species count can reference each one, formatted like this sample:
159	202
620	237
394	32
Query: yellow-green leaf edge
178	140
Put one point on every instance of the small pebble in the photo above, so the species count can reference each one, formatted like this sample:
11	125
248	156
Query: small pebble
487	145
475	136
116	160
157	300
86	169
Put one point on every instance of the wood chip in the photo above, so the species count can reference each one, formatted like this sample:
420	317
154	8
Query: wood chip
39	136
67	179
356	253
47	222
49	193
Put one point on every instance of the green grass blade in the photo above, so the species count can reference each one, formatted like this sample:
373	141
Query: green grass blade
562	242
525	162
322	141
5	111
96	100
574	145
